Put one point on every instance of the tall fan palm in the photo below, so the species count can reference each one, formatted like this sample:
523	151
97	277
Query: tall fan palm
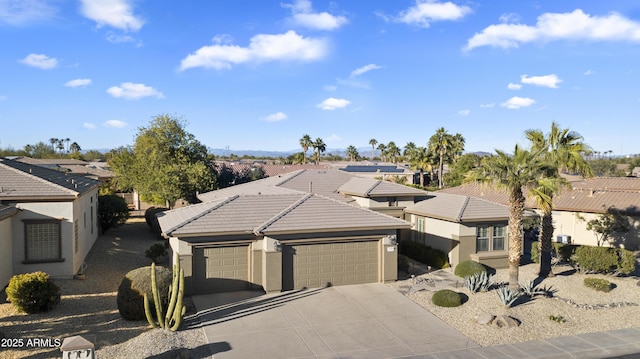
448	148
565	150
421	161
373	142
383	151
319	146
409	150
352	153
305	143
515	173
393	151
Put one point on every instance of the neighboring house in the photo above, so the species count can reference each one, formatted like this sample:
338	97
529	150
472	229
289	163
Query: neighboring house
635	172
382	171
463	227
94	170
573	208
54	221
281	241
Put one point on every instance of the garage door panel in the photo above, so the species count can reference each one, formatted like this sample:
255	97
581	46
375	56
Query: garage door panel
315	265
221	269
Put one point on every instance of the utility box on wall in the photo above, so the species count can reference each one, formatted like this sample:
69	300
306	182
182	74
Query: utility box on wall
564	239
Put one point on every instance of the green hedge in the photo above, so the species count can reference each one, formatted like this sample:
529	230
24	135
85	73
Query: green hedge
565	251
605	260
424	254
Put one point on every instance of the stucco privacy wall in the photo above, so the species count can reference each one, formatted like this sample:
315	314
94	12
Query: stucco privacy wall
6	244
66	213
575	225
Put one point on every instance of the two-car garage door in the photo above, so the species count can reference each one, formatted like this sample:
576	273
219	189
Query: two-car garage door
339	263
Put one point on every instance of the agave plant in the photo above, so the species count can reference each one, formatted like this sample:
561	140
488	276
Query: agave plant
507	295
479	282
530	289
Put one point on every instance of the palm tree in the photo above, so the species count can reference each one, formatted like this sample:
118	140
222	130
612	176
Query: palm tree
305	143
373	142
421	161
440	144
409	150
383	151
75	147
60	145
515	173
319	147
66	142
53	141
352	152
564	149
393	151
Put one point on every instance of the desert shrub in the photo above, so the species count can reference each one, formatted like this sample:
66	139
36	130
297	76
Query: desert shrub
479	282
564	251
604	260
112	211
598	284
446	298
33	292
135	284
507	295
424	254
152	220
155	251
468	268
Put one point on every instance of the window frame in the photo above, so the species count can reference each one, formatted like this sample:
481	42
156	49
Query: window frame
491	237
29	222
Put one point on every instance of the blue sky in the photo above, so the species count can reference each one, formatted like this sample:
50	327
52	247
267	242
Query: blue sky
260	74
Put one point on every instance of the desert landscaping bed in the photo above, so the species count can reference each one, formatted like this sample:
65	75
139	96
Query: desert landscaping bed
88	307
583	309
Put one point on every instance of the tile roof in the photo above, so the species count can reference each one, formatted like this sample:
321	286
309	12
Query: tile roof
593	195
21	181
373	168
7	211
265	186
51	161
369	187
322	182
270	214
458	208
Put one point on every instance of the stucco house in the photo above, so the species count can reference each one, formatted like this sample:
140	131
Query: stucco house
585	200
50	219
281	241
463	227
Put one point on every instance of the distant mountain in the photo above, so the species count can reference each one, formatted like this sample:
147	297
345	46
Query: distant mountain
365	152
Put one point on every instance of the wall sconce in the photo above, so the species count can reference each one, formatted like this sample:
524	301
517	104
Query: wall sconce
393	239
277	246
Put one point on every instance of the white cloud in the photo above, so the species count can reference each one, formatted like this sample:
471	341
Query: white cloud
509	18
333	103
303	15
19	12
359	71
283	47
516	102
78	83
512	86
133	91
550	81
423	13
333	138
115	124
487	105
40	61
120	39
589	72
114	13
88	126
464	112
275	117
575	25
330	87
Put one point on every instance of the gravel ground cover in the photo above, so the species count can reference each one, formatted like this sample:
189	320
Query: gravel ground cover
534	314
88	307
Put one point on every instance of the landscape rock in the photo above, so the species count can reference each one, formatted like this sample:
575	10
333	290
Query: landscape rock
505	321
484	318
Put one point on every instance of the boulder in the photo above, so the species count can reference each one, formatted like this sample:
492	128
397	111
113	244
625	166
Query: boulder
484	318
505	321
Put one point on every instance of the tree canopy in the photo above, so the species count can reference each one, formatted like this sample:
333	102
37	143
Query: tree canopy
164	164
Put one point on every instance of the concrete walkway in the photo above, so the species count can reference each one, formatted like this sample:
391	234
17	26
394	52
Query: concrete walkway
369	321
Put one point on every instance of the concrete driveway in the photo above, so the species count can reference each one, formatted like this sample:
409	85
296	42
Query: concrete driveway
356	321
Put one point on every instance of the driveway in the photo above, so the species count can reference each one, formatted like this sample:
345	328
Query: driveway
356	321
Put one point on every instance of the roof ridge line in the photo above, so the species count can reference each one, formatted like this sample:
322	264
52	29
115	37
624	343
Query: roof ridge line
202	214
462	209
282	213
38	178
372	187
296	174
357	206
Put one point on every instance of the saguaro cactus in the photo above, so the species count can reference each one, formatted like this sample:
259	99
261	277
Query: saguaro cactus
175	310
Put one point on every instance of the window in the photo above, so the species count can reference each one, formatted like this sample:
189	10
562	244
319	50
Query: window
43	241
393	201
490	238
420	229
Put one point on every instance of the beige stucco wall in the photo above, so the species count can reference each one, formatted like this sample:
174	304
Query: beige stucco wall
6	244
575	225
88	230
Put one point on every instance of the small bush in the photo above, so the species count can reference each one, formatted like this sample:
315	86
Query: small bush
112	211
446	298
597	259
155	251
468	268
133	286
564	251
424	254
627	262
33	292
598	284
557	318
